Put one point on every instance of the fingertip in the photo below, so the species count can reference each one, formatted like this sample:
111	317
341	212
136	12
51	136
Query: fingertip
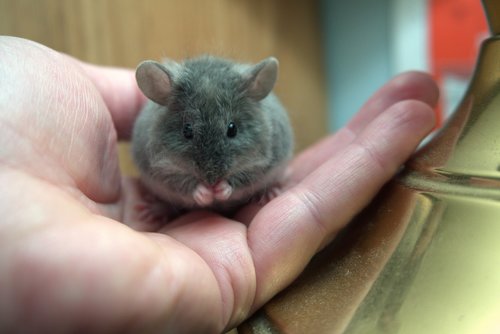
395	134
418	86
413	116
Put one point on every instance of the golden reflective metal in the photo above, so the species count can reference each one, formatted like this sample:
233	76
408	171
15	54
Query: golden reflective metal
492	9
424	257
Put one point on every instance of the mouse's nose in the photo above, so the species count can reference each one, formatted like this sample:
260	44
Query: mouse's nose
213	168
212	178
214	173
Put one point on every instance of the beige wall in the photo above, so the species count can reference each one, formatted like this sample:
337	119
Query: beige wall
124	32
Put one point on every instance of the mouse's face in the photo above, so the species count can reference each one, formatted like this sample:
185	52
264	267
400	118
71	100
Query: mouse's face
213	127
217	129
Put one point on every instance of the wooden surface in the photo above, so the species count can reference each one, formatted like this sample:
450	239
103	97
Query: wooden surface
124	32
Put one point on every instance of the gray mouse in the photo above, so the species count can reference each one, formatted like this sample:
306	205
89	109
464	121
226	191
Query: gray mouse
213	135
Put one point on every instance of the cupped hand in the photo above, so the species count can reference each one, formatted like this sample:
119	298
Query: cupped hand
73	256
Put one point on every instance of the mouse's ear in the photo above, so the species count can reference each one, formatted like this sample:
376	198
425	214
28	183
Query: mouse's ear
154	80
261	78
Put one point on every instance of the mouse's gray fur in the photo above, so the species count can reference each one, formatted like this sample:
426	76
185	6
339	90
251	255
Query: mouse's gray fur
211	169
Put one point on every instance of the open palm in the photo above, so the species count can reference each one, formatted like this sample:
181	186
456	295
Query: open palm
73	255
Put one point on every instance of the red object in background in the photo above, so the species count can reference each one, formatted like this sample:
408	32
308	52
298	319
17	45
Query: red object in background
456	29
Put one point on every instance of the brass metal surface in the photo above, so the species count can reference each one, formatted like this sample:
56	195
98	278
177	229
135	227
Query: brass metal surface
492	9
424	257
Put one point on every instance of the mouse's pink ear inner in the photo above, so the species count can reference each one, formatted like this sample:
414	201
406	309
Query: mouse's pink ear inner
154	80
261	78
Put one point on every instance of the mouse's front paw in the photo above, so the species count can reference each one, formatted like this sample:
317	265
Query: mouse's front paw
203	196
222	191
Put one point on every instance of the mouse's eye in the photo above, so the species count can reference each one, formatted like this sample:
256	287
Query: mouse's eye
232	130
187	131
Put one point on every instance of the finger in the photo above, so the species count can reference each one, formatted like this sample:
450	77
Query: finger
120	93
408	86
222	244
292	228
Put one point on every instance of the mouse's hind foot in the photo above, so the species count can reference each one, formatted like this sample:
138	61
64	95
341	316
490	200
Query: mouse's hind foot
152	213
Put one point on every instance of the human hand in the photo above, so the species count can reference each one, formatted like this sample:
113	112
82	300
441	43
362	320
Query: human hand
67	260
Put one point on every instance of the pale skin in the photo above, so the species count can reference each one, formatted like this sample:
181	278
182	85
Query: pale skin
71	255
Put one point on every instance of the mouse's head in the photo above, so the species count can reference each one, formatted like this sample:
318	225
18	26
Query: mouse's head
215	125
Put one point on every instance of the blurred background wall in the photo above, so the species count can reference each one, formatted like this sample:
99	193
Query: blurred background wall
357	46
124	32
367	42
